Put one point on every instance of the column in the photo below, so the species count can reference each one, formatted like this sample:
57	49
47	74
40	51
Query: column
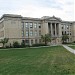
33	41
46	27
58	29
51	30
30	42
55	30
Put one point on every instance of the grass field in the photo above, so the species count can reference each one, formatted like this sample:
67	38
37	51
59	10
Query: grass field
72	47
37	61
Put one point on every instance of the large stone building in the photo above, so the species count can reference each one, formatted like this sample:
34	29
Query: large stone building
29	30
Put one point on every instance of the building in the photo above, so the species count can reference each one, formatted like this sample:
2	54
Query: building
29	30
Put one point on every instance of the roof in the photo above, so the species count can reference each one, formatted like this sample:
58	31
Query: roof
11	15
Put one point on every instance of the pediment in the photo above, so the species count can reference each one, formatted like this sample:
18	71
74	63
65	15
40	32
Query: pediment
53	19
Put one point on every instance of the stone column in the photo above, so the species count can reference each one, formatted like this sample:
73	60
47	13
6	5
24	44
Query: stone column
33	41
30	42
55	30
51	30
58	29
46	28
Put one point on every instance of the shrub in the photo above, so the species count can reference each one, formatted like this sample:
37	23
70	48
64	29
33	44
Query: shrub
37	45
16	45
22	44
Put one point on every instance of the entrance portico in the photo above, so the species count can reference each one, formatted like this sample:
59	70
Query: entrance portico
54	30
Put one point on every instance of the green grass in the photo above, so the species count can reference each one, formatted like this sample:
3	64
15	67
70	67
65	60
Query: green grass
72	47
37	61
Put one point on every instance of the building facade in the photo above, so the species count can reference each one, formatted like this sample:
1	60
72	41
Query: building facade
29	30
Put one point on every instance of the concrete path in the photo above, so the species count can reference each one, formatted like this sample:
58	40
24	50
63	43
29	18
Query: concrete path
69	49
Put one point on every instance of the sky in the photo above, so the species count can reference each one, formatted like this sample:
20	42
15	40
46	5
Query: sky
64	9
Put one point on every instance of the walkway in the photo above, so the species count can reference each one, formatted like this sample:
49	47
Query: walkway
69	49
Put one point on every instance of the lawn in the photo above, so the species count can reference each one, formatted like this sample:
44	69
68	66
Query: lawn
37	61
72	47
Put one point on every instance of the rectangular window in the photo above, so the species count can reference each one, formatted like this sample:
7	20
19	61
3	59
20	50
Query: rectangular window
31	25
62	27
22	33
22	25
39	25
31	33
35	25
39	40
27	33
67	27
39	32
35	33
31	41
35	41
26	25
65	32
62	32
26	42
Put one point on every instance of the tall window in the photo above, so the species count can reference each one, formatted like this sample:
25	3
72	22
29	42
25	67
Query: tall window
27	33
22	29
35	25
39	32
26	25
35	33
67	26
22	25
39	25
31	33
26	42
22	33
35	41
31	25
31	41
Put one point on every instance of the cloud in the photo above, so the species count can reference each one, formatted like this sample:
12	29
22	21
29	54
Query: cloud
38	8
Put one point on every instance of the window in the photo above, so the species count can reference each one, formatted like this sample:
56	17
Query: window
39	40
31	41
22	33
26	24
62	27
39	32
23	41
27	33
26	42
67	27
31	25
35	25
65	32
31	33
35	33
35	41
39	25
23	26
62	32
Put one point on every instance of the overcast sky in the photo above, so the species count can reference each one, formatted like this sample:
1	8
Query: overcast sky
38	8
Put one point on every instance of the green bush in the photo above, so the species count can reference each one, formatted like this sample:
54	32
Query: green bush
16	45
37	45
22	44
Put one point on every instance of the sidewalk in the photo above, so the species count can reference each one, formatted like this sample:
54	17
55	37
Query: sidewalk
69	49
